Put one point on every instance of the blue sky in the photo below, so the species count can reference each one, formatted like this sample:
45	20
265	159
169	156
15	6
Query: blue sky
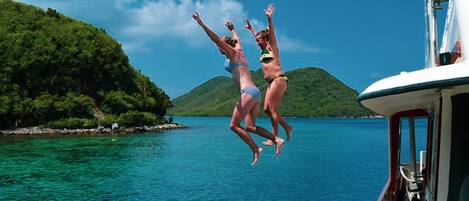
359	42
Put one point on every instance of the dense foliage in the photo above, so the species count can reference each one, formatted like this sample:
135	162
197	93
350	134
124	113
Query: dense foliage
72	123
312	92
131	118
55	68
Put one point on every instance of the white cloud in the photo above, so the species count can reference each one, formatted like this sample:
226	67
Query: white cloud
157	19
139	23
171	18
134	46
296	45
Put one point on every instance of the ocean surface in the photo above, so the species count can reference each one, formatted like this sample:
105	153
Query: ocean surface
327	159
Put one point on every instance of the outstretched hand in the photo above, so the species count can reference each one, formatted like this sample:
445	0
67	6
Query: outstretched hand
270	10
248	24
197	18
229	25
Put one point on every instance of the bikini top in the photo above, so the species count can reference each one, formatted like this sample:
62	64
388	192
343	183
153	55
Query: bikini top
266	56
231	66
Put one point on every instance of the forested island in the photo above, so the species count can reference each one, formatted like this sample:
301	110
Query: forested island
58	72
312	92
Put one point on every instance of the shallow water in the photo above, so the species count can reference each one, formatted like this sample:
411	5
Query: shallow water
327	159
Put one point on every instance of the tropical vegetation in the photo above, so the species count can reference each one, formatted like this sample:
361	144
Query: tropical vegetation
312	92
61	72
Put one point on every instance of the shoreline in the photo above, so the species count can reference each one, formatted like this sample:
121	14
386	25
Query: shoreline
93	131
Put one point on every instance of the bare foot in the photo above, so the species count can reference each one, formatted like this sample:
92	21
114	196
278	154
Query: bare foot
268	142
278	146
288	130
256	155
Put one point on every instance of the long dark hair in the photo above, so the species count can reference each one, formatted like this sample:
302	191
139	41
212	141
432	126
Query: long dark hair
264	34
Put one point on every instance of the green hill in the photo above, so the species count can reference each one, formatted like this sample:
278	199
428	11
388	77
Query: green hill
60	70
312	92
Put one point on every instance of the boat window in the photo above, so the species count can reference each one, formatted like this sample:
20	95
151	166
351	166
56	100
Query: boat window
420	125
413	146
459	167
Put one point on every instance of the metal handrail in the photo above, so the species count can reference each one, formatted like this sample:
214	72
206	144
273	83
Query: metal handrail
404	175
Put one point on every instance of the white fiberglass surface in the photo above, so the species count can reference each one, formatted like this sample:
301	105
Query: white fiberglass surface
441	73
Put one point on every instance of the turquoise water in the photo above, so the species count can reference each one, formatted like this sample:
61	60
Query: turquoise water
327	159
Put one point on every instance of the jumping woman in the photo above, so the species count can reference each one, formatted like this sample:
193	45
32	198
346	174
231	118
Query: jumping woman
273	74
249	101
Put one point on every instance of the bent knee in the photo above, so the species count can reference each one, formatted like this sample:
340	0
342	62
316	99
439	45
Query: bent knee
233	126
251	128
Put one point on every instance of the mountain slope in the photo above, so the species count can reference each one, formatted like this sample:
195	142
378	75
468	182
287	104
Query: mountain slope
312	92
54	67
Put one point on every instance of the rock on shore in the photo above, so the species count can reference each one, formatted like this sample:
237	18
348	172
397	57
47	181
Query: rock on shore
49	131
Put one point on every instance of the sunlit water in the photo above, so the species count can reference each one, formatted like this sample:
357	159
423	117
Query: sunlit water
327	159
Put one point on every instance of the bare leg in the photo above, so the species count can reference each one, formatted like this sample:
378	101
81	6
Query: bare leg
278	118
242	108
250	121
273	99
267	111
251	126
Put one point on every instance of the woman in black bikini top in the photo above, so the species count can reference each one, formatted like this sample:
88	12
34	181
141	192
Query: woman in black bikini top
273	74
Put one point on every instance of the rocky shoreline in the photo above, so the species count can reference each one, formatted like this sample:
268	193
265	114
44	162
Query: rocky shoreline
93	131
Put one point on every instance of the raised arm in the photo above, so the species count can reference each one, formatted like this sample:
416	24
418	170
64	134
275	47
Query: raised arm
272	38
234	34
250	28
212	35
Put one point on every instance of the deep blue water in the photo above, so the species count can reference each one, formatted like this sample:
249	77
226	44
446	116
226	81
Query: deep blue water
327	159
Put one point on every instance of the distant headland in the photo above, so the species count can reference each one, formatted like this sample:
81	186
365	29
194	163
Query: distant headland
312	92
